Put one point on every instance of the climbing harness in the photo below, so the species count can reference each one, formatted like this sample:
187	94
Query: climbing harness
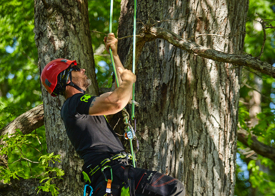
103	167
108	160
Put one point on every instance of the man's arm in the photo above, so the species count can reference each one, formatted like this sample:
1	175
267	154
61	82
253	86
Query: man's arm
112	102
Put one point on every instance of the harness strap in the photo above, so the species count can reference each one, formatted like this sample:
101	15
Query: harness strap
129	186
108	160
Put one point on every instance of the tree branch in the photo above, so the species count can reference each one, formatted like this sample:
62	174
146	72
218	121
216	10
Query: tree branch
151	33
26	122
257	146
264	27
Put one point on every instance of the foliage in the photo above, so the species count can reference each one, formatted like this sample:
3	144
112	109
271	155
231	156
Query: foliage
20	88
242	183
260	10
260	179
27	158
19	79
99	19
261	171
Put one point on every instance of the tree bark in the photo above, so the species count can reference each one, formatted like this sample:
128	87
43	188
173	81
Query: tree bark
26	122
188	113
149	33
62	31
22	187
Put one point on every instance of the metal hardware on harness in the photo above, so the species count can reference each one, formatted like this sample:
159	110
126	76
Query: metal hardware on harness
111	171
109	181
129	133
91	192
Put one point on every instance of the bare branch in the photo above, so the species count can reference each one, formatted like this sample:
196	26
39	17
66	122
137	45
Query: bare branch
254	89
26	122
248	151
257	146
152	33
264	27
29	160
95	31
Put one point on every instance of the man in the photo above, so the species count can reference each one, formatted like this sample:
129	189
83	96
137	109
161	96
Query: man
106	166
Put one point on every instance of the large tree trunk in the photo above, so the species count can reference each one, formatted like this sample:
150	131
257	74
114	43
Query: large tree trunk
62	31
188	113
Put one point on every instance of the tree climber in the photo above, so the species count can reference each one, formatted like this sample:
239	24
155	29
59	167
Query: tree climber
106	166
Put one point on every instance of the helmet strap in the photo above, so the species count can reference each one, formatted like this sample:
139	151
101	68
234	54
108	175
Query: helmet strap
63	77
74	85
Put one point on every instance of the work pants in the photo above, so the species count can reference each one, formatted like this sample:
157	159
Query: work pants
145	182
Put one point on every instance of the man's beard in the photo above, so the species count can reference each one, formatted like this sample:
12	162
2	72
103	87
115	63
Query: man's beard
88	82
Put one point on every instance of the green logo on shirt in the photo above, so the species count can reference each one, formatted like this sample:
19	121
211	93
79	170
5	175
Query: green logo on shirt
85	98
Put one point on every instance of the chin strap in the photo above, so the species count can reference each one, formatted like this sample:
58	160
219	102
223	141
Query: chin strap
76	87
63	77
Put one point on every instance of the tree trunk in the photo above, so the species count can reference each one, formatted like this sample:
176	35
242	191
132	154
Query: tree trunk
62	31
188	113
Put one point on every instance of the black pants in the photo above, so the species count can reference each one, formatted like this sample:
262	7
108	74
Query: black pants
145	182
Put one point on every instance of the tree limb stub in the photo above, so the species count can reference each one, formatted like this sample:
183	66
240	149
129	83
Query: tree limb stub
151	33
257	146
26	122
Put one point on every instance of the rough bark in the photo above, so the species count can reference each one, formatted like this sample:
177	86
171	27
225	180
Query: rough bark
62	31
187	118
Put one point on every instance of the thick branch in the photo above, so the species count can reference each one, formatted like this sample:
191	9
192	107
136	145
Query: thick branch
258	147
151	33
26	122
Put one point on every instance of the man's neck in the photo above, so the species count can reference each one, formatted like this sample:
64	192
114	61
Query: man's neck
70	91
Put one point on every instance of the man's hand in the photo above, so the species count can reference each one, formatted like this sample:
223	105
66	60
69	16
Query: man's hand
111	42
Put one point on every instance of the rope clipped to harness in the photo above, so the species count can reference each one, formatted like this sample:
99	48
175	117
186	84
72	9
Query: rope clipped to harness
129	131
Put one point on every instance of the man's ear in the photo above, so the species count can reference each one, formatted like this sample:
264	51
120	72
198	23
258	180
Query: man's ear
68	81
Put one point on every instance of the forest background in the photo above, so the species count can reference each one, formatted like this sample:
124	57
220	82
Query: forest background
20	91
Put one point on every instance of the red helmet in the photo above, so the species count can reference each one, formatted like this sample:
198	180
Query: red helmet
51	71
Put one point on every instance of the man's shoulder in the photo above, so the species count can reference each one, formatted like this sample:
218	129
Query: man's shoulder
78	103
79	97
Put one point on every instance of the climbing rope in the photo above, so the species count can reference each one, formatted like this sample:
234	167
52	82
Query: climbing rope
129	132
110	50
134	58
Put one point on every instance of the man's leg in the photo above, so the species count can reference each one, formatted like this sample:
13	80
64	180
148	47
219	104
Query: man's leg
145	183
151	182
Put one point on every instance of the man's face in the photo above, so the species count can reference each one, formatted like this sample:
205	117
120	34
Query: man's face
80	79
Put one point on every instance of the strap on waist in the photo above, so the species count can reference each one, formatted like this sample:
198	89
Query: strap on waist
117	157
